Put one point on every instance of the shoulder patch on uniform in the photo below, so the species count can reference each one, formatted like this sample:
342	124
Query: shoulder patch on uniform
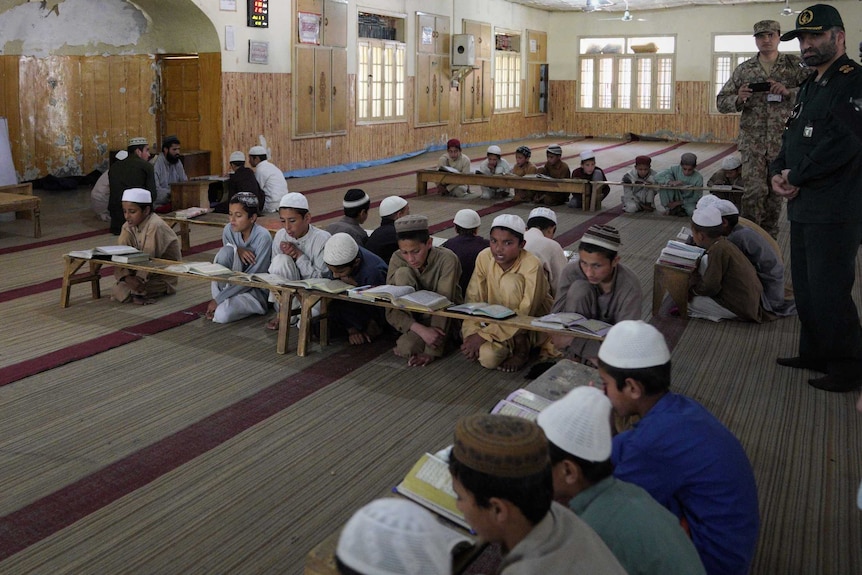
846	69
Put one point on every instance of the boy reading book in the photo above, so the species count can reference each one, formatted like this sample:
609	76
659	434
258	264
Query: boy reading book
147	232
420	265
678	451
596	286
358	267
638	198
729	287
646	538
506	274
557	169
676	200
454	160
356	204
297	249
501	474
589	171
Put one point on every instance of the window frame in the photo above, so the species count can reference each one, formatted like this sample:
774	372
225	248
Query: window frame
510	88
392	88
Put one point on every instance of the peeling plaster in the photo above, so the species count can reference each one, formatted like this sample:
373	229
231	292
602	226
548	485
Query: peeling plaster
31	30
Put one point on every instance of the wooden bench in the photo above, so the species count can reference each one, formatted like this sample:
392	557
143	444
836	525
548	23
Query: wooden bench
590	201
284	295
671	280
19	198
270	222
310	298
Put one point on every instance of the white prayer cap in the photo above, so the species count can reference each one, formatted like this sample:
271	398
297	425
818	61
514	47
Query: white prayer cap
510	221
730	163
467	219
138	141
121	155
707	200
726	207
588	155
138	195
340	249
393	536
237	156
293	200
580	423
391	204
494	149
542	212
257	151
707	216
633	344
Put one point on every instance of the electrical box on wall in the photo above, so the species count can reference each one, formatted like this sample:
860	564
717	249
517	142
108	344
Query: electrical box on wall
463	50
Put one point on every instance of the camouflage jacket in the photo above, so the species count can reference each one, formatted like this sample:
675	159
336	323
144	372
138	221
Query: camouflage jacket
762	122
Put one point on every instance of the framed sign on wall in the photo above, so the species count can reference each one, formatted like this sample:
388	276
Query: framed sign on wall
258	14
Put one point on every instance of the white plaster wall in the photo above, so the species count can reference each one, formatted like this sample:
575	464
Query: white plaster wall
694	29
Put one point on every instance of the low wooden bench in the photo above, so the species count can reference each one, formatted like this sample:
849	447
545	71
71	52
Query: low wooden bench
269	221
310	298
71	276
590	201
19	198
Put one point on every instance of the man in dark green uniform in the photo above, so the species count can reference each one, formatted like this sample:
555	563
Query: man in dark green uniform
133	172
820	174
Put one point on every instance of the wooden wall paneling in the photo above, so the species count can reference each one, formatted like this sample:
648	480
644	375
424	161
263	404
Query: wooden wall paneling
339	93
210	108
322	90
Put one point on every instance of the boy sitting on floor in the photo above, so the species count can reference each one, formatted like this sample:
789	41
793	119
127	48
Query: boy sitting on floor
297	249
358	267
729	287
453	158
420	265
501	474
356	204
645	537
678	451
677	201
589	171
596	286
467	244
506	274
524	167
494	164
555	168
638	198
539	241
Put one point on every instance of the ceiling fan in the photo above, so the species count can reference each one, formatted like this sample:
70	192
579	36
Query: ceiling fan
626	17
787	10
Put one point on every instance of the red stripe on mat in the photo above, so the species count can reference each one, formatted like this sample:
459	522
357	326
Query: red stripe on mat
27	368
54	512
43	243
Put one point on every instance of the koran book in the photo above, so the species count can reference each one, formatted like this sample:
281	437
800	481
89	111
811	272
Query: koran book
429	484
483	309
522	403
405	296
137	257
448	169
104	252
572	321
320	284
190	213
201	268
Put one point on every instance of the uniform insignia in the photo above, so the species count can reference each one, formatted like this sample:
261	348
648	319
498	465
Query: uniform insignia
845	69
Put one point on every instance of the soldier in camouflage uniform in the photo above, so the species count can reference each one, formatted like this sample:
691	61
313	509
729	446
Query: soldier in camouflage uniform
763	117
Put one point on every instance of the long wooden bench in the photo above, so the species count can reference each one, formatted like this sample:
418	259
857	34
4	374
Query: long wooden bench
19	198
270	222
71	276
590	201
310	298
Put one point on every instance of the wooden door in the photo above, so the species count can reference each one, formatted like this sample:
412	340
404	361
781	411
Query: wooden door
537	40
533	86
179	111
304	91
425	32
322	90
423	88
339	90
487	90
442	38
445	77
335	23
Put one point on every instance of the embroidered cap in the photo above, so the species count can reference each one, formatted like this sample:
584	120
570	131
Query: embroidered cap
588	155
138	141
511	222
726	207
237	157
293	200
643	161
543	212
607	237
555	149
707	216
411	223
524	151
257	151
580	423
633	344
707	200
688	159
817	18
731	163
355	198
501	445
340	249
453	143
494	150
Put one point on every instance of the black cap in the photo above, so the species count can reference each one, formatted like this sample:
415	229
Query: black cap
818	18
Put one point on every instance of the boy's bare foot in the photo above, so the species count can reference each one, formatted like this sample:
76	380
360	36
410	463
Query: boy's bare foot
358	338
419	360
272	324
520	356
142	300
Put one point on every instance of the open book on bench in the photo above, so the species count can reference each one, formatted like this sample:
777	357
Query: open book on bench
572	321
430	485
522	403
321	284
404	296
201	269
104	252
483	309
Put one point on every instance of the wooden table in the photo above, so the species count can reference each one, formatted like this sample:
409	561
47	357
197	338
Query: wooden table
190	194
674	281
17	202
579	187
284	295
310	298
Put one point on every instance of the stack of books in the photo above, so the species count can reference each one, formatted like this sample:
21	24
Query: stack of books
680	255
190	213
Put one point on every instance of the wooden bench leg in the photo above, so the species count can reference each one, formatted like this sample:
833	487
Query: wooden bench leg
185	239
305	319
72	267
285	302
95	277
37	222
421	186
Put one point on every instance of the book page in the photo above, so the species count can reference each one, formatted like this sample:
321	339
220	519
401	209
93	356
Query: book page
208	269
495	311
593	326
504	407
564	376
425	298
448	169
83	254
115	250
430	484
389	292
529	400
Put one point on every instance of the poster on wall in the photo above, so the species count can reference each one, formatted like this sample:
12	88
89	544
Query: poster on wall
427	35
309	27
258	14
227	5
258	52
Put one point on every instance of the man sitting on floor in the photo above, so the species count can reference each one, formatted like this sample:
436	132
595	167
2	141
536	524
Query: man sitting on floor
420	265
677	200
501	474
506	274
297	249
596	286
645	537
539	238
678	451
382	241
358	267
467	244
728	287
356	204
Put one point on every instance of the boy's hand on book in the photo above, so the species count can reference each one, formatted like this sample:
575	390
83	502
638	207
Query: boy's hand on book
471	345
